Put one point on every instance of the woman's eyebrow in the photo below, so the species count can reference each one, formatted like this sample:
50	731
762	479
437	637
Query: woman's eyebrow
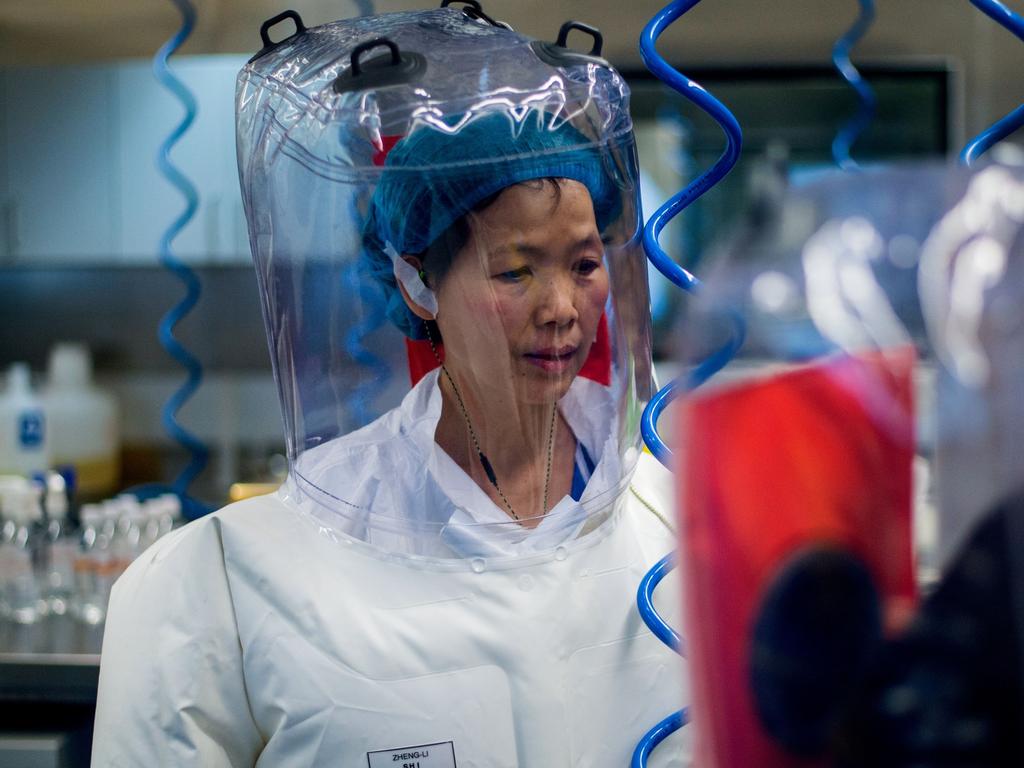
518	248
538	251
588	243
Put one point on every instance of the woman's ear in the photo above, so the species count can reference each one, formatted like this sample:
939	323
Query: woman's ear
415	266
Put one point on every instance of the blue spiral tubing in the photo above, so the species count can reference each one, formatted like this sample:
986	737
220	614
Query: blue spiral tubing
849	133
683	279
658	734
998	131
645	603
198	451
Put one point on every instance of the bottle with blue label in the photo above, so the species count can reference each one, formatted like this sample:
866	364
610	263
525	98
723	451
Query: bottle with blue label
24	449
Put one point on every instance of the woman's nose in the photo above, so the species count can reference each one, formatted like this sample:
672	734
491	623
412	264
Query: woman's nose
557	302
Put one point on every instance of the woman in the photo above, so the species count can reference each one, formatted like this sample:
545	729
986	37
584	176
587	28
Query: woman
531	275
451	582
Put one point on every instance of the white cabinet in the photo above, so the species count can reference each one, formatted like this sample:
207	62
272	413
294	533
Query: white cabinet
61	202
147	113
78	175
6	203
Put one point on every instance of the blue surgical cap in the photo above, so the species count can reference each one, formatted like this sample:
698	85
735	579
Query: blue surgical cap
434	176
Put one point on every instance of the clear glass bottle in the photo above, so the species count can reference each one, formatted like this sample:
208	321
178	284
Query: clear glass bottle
8	527
24	597
134	537
171	517
90	606
125	511
154	512
61	548
107	554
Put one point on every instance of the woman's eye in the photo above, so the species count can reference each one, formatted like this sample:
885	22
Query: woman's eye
513	275
586	266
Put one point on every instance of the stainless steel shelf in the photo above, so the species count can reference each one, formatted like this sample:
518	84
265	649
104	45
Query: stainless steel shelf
56	659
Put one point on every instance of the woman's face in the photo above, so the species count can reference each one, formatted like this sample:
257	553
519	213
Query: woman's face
519	308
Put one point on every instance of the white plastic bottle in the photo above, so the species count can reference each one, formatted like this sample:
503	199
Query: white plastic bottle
24	449
84	429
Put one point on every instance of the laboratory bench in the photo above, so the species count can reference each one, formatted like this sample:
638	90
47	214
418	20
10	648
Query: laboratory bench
49	671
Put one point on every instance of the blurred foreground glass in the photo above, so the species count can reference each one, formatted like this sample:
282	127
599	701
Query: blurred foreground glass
869	428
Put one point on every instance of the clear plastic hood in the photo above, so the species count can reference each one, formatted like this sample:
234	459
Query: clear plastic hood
464	67
444	219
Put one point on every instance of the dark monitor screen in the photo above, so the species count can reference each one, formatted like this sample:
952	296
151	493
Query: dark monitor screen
798	109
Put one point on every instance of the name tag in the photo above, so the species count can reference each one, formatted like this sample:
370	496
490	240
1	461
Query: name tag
439	755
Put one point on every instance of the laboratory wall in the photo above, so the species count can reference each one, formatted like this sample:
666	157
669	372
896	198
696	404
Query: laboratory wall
715	31
83	207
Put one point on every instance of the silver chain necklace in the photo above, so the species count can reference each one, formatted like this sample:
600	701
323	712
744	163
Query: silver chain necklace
484	461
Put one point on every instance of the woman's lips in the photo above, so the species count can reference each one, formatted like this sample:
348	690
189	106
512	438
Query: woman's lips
553	359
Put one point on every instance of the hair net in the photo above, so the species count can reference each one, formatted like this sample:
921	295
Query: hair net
439	172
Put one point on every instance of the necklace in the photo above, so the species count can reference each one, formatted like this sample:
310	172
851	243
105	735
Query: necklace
484	461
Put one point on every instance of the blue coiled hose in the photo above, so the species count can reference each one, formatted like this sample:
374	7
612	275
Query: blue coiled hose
198	451
675	205
849	133
998	131
645	603
683	279
658	734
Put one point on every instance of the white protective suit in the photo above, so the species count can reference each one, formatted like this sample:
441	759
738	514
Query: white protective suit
412	181
252	638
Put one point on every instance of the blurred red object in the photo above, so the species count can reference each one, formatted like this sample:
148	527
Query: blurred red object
816	456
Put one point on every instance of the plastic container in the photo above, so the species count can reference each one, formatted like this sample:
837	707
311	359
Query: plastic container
24	601
24	445
84	424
